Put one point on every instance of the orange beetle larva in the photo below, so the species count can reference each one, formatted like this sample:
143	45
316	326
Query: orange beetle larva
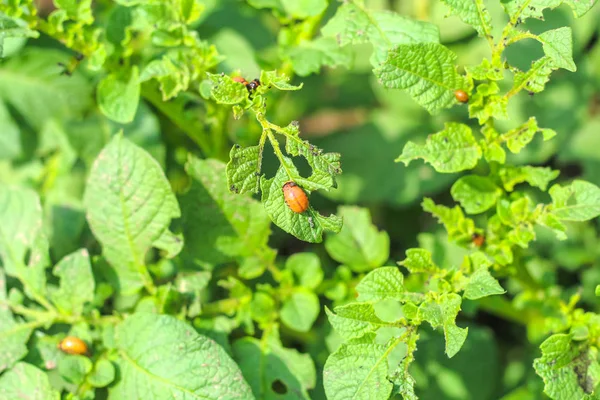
73	345
478	239
240	80
461	96
295	197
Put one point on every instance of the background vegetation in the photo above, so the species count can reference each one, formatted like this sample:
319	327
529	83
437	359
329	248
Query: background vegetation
116	124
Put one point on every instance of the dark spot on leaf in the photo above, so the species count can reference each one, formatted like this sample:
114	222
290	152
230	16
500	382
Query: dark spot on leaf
237	146
279	387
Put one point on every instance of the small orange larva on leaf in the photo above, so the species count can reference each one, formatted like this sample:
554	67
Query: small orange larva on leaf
478	239
73	345
295	197
461	96
240	79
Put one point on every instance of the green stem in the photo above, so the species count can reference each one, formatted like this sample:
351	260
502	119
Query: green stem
172	111
503	308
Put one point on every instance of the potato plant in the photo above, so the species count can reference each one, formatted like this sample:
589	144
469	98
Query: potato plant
299	199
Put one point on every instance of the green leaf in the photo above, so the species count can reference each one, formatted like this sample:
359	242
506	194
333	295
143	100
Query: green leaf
442	312
295	371
240	227
26	382
243	169
486	104
457	226
419	261
307	226
306	267
10	141
13	336
300	310
302	9
534	80
191	365
579	201
570	370
227	91
426	71
118	95
476	194
452	150
30	82
539	177
77	10
272	78
128	185
354	320
21	232
102	375
516	139
310	55
76	283
343	380
359	244
9	28
481	284
558	45
381	283
474	13
523	9
325	166
353	24
74	368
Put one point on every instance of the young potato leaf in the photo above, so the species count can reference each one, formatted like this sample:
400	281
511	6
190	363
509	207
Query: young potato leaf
426	71
24	381
516	139
476	194
307	226
474	13
118	95
381	283
534	80
354	320
539	177
481	284
353	24
278	81
306	267
579	201
442	312
76	283
74	369
343	380
13	336
240	227
102	375
359	244
243	169
129	205
325	166
300	310
227	91
570	369
310	55
191	365
558	45
452	150
294	370
486	104
419	261
457	226
523	9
